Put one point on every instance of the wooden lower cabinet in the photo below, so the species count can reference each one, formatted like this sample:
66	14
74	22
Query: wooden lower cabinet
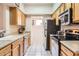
75	10
9	54
25	45
29	41
64	51
63	54
6	51
21	47
15	48
15	52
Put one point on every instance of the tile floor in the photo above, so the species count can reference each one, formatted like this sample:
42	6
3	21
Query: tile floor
37	45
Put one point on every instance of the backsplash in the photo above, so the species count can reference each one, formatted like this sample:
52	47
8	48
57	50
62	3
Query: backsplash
73	26
12	30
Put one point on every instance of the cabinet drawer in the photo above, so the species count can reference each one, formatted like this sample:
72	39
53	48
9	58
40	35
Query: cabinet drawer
66	51
5	50
9	54
63	54
15	44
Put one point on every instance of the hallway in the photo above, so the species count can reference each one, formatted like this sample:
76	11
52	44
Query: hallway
37	46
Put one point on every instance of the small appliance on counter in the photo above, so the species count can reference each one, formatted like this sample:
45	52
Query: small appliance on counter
21	29
2	33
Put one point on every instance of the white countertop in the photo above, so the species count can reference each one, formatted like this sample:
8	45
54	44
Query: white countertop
72	45
9	39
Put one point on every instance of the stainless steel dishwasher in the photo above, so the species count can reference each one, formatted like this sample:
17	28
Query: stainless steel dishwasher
25	43
54	45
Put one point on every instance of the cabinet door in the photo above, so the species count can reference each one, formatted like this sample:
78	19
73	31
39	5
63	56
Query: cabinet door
75	8
13	16
21	47
23	19
18	17
15	48
62	8
25	45
15	51
66	50
5	50
57	16
9	54
67	6
73	12
54	15
29	41
62	54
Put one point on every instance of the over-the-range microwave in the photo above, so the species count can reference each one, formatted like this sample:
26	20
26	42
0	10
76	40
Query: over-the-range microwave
66	17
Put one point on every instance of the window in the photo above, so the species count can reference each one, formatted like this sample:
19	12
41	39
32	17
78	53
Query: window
38	22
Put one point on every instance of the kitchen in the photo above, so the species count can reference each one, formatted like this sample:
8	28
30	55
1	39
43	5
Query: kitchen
61	28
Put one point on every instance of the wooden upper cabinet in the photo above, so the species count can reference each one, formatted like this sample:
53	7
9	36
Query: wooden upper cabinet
54	16
17	17
57	16
75	9
23	19
67	6
62	8
13	16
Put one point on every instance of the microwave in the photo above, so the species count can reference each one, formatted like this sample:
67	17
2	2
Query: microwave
66	17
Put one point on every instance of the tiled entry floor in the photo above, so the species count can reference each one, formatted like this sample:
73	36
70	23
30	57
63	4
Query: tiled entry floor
37	45
37	51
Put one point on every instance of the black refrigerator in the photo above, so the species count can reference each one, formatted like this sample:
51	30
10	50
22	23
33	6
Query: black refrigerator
52	28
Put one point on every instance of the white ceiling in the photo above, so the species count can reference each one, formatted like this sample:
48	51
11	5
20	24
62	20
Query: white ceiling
33	4
38	8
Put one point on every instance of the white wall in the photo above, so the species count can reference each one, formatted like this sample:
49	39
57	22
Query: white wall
38	8
28	23
30	18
